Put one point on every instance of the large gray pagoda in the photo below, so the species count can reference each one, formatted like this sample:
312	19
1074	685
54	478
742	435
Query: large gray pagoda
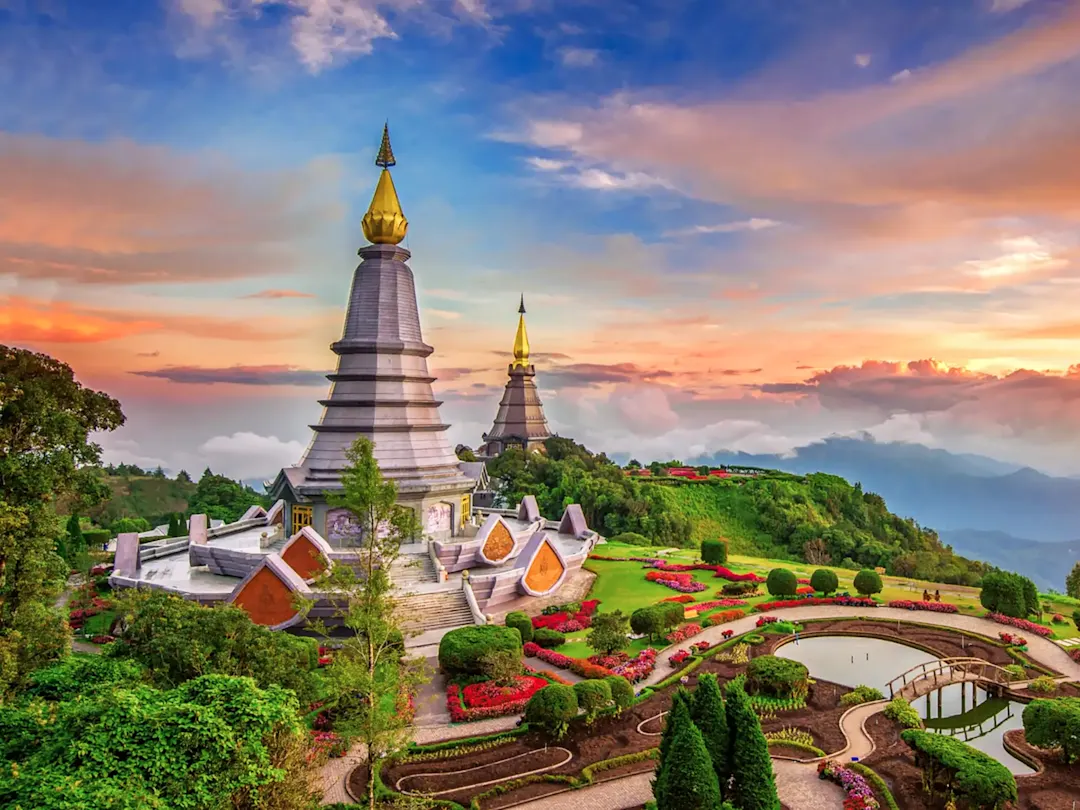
520	421
382	391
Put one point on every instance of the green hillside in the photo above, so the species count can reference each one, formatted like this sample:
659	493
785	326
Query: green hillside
153	496
819	518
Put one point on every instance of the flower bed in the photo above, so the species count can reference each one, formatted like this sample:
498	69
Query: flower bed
683	633
459	713
1074	654
859	795
1013	640
1020	624
609	661
104	638
325	741
804	589
731	576
933	607
489	693
728	634
579	666
639	667
678	657
722	617
845	601
764	620
725	602
683	599
677	582
563	622
650	560
700	646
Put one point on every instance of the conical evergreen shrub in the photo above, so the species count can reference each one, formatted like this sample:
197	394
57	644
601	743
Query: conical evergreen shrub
709	714
677	717
753	785
687	781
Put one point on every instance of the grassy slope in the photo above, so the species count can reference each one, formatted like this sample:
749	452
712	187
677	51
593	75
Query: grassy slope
146	496
720	512
622	586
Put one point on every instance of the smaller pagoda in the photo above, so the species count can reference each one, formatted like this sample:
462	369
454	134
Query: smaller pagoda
520	421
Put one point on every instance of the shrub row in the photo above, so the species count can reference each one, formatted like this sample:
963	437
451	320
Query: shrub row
1021	624
933	607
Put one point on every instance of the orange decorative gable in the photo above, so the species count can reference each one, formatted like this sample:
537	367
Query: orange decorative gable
304	557
266	599
499	543
545	569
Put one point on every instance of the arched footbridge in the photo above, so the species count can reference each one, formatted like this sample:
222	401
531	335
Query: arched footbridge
928	677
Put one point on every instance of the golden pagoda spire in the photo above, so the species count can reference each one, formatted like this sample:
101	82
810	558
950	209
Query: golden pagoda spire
521	340
385	223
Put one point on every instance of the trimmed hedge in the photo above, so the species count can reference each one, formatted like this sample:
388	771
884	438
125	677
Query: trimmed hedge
547	638
714	551
777	677
824	581
593	697
782	582
1054	723
876	782
622	693
867	582
461	649
976	778
552	709
900	711
522	623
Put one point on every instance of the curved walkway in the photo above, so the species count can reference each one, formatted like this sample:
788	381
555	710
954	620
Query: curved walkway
1042	650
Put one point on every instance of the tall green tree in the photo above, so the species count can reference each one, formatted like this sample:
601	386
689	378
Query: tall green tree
754	785
1072	582
46	418
372	679
709	714
678	717
689	781
609	632
222	498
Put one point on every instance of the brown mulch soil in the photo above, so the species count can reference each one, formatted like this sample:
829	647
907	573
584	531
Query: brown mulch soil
1054	789
781	750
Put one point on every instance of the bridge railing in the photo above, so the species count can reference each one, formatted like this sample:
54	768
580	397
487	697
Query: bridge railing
941	671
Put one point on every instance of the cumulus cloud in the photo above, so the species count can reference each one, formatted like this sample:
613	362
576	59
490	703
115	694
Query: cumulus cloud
237	375
249	455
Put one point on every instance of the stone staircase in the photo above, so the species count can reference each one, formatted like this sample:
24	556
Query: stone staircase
412	569
435	611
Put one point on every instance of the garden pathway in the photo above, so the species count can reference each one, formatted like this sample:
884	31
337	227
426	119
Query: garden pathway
61	604
1042	650
798	786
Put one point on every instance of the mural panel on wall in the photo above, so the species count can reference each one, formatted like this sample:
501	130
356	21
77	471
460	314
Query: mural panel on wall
437	518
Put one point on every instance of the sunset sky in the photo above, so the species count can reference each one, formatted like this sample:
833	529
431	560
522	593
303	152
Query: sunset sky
737	224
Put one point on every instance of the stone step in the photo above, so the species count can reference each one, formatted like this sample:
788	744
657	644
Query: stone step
436	610
409	569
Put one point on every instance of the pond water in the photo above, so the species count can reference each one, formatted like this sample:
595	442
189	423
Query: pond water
963	711
854	661
970	714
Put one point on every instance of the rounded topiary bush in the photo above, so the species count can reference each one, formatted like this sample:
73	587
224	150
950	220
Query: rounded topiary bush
552	709
868	582
622	693
754	639
460	650
777	677
714	551
824	581
593	697
522	623
548	638
782	582
654	620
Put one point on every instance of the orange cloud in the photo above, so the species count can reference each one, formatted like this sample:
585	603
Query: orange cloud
27	320
125	213
276	294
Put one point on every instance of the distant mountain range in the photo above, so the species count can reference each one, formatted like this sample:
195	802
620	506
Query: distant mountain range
1014	517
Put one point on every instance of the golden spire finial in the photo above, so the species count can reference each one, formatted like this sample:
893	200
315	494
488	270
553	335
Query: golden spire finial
385	223
521	340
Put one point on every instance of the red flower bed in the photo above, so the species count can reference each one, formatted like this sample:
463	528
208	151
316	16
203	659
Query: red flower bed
804	589
578	666
609	661
550	676
1013	640
564	622
489	693
728	633
325	741
803	581
700	646
461	714
683	598
764	620
683	633
1020	624
723	617
933	607
1074	654
104	638
715	603
100	569
678	657
846	601
660	565
731	576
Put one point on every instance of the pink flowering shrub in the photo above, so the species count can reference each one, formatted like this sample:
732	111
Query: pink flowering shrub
858	793
683	633
933	607
610	661
1020	624
325	742
1013	640
639	667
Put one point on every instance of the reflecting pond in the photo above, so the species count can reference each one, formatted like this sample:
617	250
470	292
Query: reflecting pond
971	715
963	711
855	661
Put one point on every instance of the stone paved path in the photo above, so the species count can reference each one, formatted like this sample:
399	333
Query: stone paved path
800	788
859	743
1042	650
